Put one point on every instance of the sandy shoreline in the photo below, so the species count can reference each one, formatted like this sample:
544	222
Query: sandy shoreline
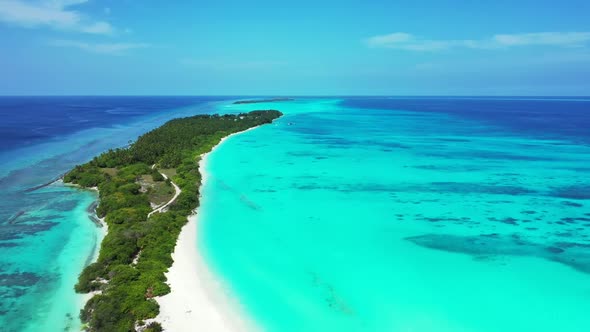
198	301
102	230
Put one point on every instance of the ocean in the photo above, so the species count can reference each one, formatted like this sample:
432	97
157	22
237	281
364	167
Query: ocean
347	214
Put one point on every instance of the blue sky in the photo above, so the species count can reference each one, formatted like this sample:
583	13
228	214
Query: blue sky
219	47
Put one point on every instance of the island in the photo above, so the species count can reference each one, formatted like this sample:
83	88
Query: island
146	193
256	101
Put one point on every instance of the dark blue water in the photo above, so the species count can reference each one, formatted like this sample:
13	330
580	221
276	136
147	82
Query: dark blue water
551	118
30	120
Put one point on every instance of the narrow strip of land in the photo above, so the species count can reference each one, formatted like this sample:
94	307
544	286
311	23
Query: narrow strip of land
136	252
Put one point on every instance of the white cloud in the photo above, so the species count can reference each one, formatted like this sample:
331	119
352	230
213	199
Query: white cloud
97	28
64	3
409	42
56	14
103	48
544	38
390	39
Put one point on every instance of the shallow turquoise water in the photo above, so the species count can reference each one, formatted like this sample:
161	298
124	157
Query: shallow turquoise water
42	290
347	219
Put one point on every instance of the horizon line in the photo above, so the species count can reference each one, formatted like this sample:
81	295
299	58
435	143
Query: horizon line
295	96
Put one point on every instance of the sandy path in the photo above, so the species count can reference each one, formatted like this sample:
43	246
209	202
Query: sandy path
177	192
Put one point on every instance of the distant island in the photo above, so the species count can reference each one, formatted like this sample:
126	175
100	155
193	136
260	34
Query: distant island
254	101
146	193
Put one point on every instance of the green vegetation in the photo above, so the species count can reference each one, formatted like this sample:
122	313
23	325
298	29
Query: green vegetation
136	252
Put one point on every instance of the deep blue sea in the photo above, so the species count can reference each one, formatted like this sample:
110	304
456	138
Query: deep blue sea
31	120
347	214
549	117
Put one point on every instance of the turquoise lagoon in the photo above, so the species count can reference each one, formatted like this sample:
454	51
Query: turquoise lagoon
339	217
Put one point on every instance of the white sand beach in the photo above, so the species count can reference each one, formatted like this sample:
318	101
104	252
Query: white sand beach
197	301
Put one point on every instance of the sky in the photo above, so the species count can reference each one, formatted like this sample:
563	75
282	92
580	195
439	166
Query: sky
304	47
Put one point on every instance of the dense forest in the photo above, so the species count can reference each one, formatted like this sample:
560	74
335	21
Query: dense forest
137	250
